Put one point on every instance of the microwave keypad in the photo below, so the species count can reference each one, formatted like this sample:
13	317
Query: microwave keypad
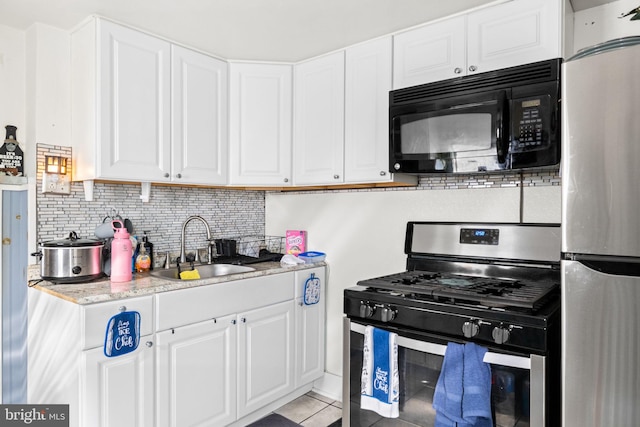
529	134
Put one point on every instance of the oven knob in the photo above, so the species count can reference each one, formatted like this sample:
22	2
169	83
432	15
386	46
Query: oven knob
365	310
470	328
500	334
387	314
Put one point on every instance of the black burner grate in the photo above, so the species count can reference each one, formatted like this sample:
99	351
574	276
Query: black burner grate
488	291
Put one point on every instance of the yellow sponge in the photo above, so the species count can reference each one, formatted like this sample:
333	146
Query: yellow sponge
189	275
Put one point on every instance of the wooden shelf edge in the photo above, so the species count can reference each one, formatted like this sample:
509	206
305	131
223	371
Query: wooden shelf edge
267	188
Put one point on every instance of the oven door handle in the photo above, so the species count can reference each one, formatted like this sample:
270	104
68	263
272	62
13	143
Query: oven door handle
439	350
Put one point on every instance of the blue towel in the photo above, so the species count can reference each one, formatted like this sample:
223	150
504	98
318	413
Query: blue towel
463	392
476	399
380	377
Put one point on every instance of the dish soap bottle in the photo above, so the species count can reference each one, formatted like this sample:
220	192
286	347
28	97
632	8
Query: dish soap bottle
143	261
148	246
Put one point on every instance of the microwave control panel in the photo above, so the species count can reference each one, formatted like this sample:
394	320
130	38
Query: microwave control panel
530	129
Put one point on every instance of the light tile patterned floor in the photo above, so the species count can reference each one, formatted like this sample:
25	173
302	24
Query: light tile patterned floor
312	410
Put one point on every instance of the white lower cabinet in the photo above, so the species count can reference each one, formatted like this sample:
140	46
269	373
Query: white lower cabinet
265	354
118	391
197	374
310	326
213	355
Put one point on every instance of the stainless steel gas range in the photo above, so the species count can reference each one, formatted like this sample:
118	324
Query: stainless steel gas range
497	285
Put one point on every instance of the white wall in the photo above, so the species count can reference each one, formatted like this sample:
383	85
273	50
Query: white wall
363	232
35	95
599	24
12	81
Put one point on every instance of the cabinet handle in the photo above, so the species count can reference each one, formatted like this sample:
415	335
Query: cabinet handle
243	320
233	322
336	176
457	70
166	175
286	180
122	308
215	320
473	68
300	304
178	175
382	173
149	344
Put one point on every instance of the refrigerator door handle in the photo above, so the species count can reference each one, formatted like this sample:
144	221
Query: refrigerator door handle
616	266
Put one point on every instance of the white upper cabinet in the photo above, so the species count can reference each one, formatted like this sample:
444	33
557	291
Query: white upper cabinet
318	156
514	33
367	86
505	35
145	110
429	53
260	117
199	118
122	129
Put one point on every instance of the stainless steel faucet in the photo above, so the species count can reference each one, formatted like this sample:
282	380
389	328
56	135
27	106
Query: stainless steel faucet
183	255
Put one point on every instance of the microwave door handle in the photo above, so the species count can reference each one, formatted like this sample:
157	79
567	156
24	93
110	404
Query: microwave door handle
502	124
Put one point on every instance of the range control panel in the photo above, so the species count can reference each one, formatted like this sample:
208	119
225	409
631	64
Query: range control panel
480	236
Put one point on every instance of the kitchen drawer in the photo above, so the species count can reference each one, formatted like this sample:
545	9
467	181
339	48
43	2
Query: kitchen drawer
187	306
94	318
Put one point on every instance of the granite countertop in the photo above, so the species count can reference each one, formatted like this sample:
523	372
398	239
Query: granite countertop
102	290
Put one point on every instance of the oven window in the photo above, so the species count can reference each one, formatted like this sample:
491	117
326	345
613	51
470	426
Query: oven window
453	133
419	374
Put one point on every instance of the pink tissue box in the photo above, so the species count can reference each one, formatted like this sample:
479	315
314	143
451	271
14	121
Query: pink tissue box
295	241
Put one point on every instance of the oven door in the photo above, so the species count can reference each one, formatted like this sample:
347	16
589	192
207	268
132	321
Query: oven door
461	134
518	383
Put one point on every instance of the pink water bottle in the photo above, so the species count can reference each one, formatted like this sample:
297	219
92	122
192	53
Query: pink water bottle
121	252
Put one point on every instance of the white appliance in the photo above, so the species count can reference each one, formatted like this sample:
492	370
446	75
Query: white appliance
601	236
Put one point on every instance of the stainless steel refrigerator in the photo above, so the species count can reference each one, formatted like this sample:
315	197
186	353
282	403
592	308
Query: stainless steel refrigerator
601	236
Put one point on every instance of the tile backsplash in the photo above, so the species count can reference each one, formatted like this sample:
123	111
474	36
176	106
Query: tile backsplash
229	212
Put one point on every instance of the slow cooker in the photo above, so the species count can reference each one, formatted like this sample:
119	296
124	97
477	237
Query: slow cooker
71	260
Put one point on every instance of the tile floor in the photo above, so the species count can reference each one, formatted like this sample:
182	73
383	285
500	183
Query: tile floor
312	410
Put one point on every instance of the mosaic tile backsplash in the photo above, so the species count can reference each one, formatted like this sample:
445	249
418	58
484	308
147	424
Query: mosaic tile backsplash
229	212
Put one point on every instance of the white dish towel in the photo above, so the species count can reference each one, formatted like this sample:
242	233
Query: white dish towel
380	379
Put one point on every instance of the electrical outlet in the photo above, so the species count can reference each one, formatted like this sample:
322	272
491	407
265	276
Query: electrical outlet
56	184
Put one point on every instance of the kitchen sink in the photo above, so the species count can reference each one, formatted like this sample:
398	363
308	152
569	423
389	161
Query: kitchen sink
206	271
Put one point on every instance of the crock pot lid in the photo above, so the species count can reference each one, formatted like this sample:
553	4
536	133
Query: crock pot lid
73	241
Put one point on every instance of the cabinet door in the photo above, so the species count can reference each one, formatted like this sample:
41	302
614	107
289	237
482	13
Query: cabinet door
265	353
197	374
367	86
260	124
134	96
199	111
319	121
430	53
514	33
118	391
310	330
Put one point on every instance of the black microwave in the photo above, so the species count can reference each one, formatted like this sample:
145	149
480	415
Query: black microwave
501	120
